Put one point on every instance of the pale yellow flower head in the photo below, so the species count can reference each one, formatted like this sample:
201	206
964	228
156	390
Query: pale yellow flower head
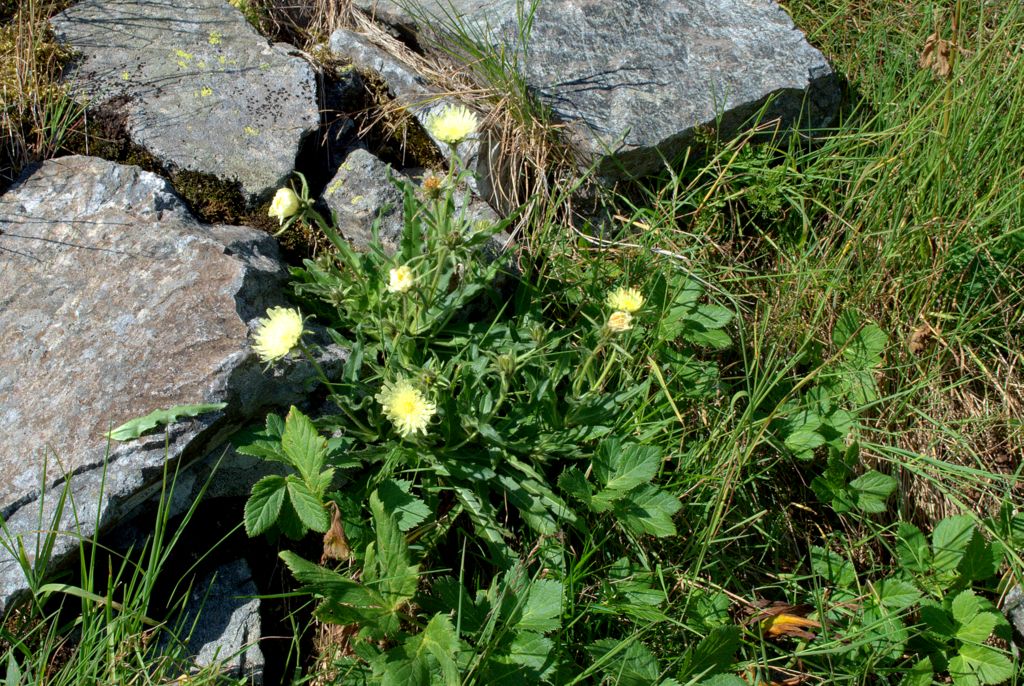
278	333
620	321
452	124
625	299
406	408
401	279
284	205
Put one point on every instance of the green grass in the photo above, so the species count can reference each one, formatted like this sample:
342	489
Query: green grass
867	283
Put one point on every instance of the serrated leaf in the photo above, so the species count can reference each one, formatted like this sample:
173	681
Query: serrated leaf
330	584
440	641
542	607
978	629
532	650
723	680
396	577
620	467
802	443
976	664
714	654
949	542
303	445
864	346
308	507
625	663
921	674
264	504
897	595
715	338
965	606
913	550
980	561
134	428
836	569
871	490
647	510
408	510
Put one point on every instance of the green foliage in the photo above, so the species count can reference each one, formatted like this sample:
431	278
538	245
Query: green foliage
293	504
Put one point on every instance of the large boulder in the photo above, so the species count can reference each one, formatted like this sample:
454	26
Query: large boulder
115	301
634	79
197	86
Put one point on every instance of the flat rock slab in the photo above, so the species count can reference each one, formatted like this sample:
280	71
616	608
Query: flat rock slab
199	88
115	301
634	79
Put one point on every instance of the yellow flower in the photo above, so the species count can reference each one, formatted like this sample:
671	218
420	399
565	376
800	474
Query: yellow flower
625	299
452	124
401	279
620	321
284	204
278	333
406	407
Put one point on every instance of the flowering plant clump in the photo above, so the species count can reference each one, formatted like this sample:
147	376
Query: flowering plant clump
278	333
406	407
284	205
625	299
401	279
620	321
452	125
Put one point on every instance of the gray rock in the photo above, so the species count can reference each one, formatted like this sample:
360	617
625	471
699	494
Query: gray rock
199	88
362	191
225	613
115	302
1013	608
634	79
408	88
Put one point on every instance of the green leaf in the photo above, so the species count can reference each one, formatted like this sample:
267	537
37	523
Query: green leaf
864	346
647	510
980	561
264	505
921	674
621	467
949	542
330	584
897	595
626	663
308	507
440	641
912	548
303	445
871	490
716	338
836	569
134	428
532	650
965	606
978	664
409	510
723	680
713	655
396	578
542	608
802	443
978	629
